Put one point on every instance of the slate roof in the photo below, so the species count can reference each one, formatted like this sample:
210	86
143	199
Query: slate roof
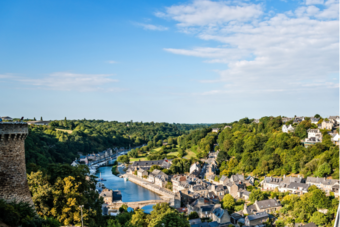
295	185
195	221
218	212
223	178
272	180
237	178
258	216
318	180
268	203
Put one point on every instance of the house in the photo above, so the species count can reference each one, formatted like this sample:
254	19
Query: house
7	118
314	120
177	180
223	180
324	184
161	179
270	183
243	194
294	188
215	130
314	136
256	121
107	195
195	221
287	129
335	139
256	219
298	120
153	174
219	190
334	119
84	159
110	196
165	164
220	215
141	173
91	157
286	119
268	205
204	207
213	155
227	126
38	122
250	180
196	166
327	125
75	163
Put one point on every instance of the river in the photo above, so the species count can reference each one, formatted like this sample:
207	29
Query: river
131	192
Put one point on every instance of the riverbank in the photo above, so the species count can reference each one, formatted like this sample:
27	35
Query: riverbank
164	193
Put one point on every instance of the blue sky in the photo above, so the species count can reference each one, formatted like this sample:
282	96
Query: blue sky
169	61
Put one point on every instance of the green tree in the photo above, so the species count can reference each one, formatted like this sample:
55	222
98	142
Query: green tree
319	218
324	170
256	195
169	219
193	215
139	218
113	223
123	159
228	202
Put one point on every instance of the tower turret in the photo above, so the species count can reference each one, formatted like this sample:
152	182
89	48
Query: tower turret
13	179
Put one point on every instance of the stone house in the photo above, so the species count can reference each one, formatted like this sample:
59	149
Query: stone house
161	179
219	190
223	180
153	174
327	125
110	196
220	215
165	164
334	119
227	126
256	121
268	205
294	188
141	173
177	180
204	207
250	180
324	184
298	120
270	183
256	219
196	166
243	194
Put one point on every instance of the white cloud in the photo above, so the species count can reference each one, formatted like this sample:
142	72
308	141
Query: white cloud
279	53
152	27
112	62
314	2
209	13
66	81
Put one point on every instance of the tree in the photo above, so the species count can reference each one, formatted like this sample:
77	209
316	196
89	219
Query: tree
169	219
216	178
113	223
323	170
319	218
317	116
138	218
193	215
228	202
123	159
256	195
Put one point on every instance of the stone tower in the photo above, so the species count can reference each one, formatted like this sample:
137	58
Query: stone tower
13	179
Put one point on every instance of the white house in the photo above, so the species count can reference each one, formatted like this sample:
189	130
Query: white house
314	120
335	119
195	166
327	125
215	130
286	129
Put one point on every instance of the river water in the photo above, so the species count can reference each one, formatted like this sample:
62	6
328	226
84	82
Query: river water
131	192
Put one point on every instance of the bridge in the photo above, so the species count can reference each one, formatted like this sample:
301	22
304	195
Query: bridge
138	204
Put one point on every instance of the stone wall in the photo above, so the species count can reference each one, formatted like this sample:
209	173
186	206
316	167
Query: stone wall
13	179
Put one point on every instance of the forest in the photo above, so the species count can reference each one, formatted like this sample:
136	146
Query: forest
63	141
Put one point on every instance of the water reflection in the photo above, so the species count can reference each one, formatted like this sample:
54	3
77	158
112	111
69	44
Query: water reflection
130	192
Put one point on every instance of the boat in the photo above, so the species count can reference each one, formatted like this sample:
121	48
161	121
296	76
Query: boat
126	179
100	178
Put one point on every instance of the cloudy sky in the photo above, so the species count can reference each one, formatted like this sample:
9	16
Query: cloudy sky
198	61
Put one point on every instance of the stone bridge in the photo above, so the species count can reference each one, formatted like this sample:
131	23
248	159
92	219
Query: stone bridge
138	204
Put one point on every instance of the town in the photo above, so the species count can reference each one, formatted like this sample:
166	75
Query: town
201	191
